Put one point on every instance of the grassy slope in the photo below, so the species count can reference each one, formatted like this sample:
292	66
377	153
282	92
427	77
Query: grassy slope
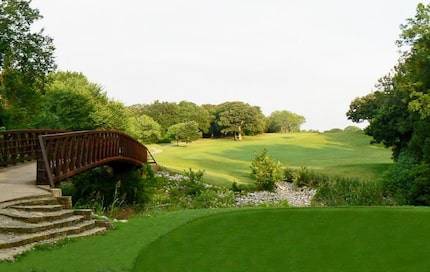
225	160
312	239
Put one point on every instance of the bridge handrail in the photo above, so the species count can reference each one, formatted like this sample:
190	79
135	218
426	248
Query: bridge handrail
66	154
20	145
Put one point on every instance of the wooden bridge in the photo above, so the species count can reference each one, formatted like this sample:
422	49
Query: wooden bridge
62	154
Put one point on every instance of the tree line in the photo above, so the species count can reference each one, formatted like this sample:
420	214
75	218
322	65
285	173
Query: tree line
398	113
33	94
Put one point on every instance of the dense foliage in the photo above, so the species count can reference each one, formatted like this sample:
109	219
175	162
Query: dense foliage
399	112
26	57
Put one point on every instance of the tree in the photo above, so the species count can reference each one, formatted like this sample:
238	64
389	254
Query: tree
398	110
184	132
239	118
73	102
285	121
26	56
164	113
145	129
399	113
266	171
188	111
214	130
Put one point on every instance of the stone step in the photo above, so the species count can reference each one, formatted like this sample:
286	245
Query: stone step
11	225
9	240
90	232
38	208
8	254
36	217
44	200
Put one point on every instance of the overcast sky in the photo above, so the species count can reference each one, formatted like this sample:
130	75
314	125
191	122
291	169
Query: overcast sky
310	57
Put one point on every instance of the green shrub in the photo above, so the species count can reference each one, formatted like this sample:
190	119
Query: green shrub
137	185
289	174
94	186
407	182
398	180
242	187
188	191
309	178
103	191
420	193
265	171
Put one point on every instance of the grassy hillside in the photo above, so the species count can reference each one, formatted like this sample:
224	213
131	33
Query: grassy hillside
224	160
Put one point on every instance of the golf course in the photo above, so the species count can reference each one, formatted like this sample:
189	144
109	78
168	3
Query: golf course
256	238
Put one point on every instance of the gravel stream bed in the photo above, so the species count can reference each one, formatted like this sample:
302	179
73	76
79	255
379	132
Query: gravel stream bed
296	197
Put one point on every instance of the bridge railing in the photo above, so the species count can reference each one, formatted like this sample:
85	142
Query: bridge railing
66	154
18	146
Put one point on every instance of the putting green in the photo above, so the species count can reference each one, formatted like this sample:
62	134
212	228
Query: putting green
309	239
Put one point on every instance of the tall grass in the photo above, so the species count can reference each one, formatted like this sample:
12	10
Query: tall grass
338	191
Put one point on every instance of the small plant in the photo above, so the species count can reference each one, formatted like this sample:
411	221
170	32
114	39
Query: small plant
242	188
265	171
188	191
306	177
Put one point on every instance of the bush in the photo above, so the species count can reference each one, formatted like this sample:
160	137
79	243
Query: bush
137	185
242	188
408	182
94	186
398	180
306	177
188	191
289	175
265	171
100	189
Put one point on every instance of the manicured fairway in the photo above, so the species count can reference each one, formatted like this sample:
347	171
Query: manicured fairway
311	239
225	160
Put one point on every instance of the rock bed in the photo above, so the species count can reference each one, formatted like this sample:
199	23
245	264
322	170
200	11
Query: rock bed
296	197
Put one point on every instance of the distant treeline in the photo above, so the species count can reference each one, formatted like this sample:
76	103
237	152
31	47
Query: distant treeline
70	101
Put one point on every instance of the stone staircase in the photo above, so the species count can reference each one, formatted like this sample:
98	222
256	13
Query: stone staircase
27	222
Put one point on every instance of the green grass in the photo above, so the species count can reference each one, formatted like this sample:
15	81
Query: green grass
313	239
254	239
115	251
224	160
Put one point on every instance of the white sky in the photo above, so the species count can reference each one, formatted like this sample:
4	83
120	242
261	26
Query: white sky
310	57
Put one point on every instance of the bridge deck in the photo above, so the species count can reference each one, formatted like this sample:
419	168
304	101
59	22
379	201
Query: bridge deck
19	181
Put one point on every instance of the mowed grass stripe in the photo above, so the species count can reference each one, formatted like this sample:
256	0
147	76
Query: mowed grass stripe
311	239
224	160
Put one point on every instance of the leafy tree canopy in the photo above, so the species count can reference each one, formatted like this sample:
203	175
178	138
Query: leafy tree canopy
238	118
144	129
399	113
400	108
285	121
73	102
184	132
26	56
